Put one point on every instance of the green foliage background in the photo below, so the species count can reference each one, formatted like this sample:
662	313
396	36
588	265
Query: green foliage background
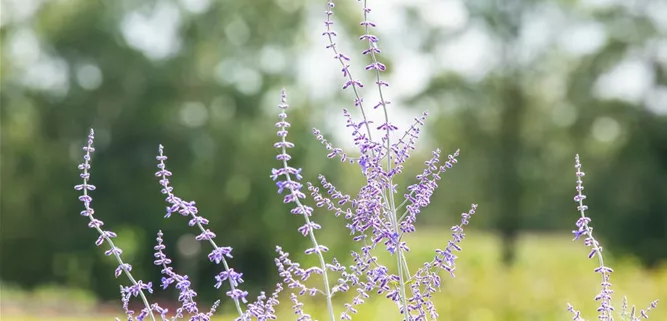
211	103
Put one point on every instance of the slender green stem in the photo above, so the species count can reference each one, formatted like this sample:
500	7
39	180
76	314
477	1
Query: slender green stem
400	255
606	303
128	274
311	234
121	264
389	199
239	309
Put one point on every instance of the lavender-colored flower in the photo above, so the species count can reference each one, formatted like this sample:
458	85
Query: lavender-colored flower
377	67
372	203
445	258
283	177
403	147
186	294
264	308
372	213
583	229
333	151
292	273
419	194
427	280
137	287
344	61
359	279
323	201
218	254
605	309
371	216
297	308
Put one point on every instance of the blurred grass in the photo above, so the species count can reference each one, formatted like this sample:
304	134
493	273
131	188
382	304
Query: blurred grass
550	271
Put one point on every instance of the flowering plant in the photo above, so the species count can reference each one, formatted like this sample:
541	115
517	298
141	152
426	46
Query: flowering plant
377	220
374	217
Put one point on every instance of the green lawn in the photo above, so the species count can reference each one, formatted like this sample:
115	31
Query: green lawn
551	270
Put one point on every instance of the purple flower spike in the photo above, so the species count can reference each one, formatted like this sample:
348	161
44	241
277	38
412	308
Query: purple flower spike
186	294
372	50
444	259
287	178
584	230
419	194
231	275
343	59
137	287
189	209
605	309
264	308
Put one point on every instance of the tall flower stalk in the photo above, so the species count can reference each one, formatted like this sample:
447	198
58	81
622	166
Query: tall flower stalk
373	215
293	189
606	309
377	67
137	288
218	254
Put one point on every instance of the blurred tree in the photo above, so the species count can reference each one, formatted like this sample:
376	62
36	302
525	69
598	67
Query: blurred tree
548	82
629	194
201	79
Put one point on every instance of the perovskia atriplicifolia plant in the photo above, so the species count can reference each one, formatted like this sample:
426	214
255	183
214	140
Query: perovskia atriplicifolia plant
377	217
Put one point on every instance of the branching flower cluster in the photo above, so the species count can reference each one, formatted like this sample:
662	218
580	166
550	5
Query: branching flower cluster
377	219
374	218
